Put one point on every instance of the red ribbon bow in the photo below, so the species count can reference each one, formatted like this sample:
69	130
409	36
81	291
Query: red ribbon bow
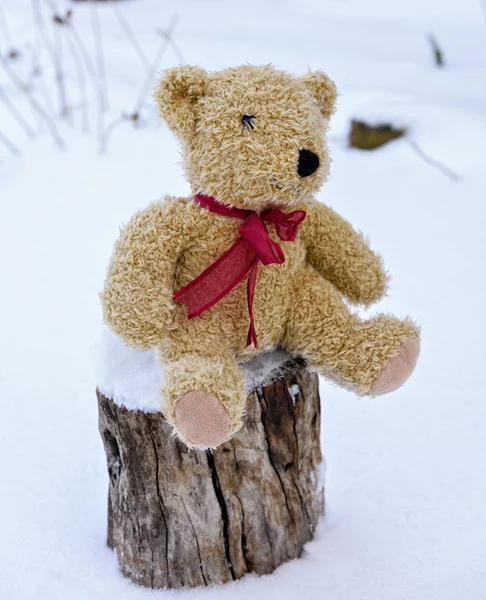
253	246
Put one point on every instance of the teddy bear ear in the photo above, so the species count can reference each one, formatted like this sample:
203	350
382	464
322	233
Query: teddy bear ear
176	94
323	89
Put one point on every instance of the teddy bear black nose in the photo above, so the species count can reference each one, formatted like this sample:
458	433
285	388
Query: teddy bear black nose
308	163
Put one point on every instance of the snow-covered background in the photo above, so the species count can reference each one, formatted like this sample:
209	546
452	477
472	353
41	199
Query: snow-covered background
406	482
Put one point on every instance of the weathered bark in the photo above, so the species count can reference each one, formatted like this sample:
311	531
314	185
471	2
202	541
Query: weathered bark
180	518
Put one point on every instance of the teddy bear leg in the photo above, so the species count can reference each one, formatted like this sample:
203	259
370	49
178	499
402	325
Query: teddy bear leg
204	398
374	356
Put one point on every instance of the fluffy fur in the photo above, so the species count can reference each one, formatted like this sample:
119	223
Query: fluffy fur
300	304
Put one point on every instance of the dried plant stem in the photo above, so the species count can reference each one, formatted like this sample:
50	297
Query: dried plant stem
106	134
87	62
7	142
100	57
24	88
131	37
177	50
43	89
134	116
432	161
78	64
5	28
58	45
58	54
94	77
16	114
53	53
155	63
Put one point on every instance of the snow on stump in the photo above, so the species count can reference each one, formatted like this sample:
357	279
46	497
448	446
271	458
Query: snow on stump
182	518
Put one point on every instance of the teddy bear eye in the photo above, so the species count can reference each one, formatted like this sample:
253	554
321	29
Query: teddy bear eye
247	121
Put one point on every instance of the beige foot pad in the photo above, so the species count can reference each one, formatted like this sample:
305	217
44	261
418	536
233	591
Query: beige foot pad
202	420
398	369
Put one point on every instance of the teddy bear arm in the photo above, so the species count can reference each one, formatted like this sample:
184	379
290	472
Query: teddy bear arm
343	256
137	296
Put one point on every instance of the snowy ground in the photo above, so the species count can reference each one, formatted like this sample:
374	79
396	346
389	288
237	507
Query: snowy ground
406	485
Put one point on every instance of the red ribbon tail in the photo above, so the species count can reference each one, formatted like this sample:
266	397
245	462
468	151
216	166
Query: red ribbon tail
252	336
218	279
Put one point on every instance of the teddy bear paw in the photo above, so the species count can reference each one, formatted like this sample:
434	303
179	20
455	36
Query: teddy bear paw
202	420
398	369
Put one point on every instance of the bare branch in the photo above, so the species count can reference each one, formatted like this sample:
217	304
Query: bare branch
166	34
97	86
24	88
432	161
134	116
53	51
166	37
60	73
66	21
64	38
131	36
100	57
105	136
37	74
177	50
78	64
16	114
6	30
9	144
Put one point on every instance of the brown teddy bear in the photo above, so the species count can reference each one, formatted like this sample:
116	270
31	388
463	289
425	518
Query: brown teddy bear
251	261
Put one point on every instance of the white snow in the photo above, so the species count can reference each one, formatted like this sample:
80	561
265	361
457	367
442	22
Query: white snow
406	490
294	391
134	378
264	369
130	377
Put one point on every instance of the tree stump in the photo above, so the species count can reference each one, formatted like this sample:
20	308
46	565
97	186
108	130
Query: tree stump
183	518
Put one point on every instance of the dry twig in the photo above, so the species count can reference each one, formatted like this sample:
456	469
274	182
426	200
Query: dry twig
172	43
134	116
106	134
100	57
9	144
37	74
7	34
97	86
78	65
16	114
166	38
131	36
66	21
85	65
52	50
432	161
36	106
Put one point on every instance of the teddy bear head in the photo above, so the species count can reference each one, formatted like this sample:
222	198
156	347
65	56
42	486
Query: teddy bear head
253	137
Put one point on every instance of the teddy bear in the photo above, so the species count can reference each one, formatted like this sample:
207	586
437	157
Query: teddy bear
251	261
